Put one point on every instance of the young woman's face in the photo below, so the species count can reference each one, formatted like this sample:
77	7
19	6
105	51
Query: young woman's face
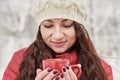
58	34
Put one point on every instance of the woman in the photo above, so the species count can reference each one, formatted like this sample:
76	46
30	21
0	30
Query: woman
61	32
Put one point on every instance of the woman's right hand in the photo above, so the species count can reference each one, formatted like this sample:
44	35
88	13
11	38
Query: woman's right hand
47	74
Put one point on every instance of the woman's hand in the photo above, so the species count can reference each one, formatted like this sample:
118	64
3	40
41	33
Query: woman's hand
47	74
67	74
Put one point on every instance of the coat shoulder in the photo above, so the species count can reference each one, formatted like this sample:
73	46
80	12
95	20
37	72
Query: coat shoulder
108	70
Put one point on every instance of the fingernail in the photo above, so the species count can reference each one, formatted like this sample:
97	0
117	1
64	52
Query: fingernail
64	69
49	70
62	75
67	67
54	72
57	78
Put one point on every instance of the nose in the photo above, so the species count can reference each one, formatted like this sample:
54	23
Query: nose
58	34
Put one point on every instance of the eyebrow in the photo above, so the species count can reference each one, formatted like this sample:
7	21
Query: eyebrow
52	21
64	20
49	20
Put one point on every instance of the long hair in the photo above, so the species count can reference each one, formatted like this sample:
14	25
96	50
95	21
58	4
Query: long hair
91	64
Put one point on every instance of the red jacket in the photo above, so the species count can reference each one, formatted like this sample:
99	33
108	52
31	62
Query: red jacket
12	68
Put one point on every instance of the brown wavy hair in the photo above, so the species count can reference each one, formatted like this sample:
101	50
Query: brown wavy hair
91	64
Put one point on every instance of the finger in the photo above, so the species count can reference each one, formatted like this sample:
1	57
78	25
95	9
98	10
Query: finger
51	75
62	77
38	71
66	74
71	73
43	73
76	69
57	78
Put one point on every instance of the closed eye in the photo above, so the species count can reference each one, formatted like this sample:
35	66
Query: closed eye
67	26
48	26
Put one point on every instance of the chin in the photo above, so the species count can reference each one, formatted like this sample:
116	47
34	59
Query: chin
59	52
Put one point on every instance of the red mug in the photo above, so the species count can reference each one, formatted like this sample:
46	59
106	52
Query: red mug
59	63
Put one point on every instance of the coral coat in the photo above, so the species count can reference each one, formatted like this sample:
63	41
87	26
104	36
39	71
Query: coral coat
12	68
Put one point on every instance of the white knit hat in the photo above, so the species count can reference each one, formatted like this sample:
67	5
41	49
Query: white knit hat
75	10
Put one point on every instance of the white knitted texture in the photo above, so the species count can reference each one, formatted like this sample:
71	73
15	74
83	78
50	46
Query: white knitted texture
69	9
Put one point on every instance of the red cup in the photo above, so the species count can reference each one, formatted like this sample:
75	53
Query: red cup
59	63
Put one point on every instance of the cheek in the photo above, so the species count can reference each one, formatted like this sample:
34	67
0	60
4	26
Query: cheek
72	34
73	37
45	33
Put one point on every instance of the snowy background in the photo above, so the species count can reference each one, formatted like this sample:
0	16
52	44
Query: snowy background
18	30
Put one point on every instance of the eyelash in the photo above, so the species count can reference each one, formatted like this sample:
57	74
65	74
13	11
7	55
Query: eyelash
48	26
67	26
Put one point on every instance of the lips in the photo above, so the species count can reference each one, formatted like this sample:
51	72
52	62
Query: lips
58	44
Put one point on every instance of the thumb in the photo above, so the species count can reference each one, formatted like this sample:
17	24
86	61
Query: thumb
38	71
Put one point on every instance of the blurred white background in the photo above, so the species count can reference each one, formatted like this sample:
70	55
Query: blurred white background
18	30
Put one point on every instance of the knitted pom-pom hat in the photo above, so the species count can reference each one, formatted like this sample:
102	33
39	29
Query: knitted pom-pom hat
75	10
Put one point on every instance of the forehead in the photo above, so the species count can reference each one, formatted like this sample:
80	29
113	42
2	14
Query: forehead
57	20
